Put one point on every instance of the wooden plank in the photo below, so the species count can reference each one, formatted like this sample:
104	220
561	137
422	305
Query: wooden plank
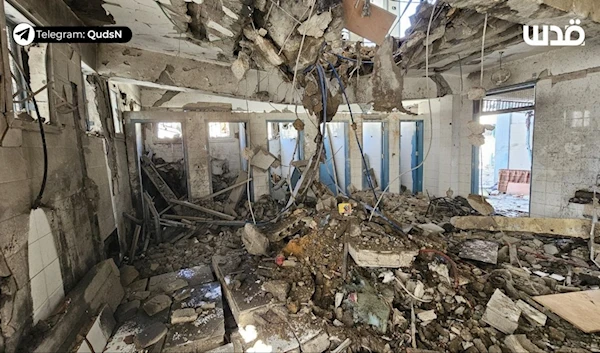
374	27
237	184
582	309
133	219
136	237
557	227
155	216
202	209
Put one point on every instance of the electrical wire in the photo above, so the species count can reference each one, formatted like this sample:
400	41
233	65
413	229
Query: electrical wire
483	48
339	79
402	14
430	117
38	200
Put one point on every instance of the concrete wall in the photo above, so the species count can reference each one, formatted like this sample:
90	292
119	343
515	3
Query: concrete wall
47	251
566	149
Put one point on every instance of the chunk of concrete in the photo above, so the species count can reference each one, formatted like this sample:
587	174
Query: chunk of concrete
278	288
502	313
254	240
100	286
204	333
128	275
395	258
181	316
480	204
127	310
426	316
194	276
175	285
240	66
480	250
150	335
530	313
557	227
157	304
551	249
431	228
316	25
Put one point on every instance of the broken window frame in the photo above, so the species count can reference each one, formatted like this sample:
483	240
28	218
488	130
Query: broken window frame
167	140
218	136
92	115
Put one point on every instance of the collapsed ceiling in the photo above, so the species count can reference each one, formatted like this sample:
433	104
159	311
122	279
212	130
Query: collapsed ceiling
292	38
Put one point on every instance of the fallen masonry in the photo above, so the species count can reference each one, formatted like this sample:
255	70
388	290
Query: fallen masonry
324	281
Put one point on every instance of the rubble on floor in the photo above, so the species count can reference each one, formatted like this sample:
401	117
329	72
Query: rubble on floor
406	281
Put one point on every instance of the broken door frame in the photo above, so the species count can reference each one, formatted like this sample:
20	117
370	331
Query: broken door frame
183	143
416	154
300	142
477	113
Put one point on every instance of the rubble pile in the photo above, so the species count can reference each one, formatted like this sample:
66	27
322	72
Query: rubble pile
327	277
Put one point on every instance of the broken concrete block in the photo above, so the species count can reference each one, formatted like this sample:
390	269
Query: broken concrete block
279	289
204	333
320	343
175	285
316	25
241	65
530	313
520	344
326	203
551	249
431	228
181	316
150	335
143	295
193	276
396	258
255	242
501	313
127	310
557	227
426	316
157	304
480	204
138	286
265	46
480	250
128	275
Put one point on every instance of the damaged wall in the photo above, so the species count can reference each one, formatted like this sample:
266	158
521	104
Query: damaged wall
171	150
565	138
66	237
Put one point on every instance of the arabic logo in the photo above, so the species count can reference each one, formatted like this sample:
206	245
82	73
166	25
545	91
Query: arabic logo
23	34
563	39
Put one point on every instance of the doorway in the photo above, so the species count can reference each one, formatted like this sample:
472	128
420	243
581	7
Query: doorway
334	172
226	141
411	156
286	143
502	168
376	152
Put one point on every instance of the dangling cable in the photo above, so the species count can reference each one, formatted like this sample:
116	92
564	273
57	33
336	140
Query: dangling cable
430	116
337	76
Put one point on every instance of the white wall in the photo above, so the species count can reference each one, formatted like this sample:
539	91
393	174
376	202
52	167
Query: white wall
407	132
373	147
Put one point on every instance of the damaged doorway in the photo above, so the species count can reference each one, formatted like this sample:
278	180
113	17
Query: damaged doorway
376	153
286	143
161	147
411	156
226	141
334	171
503	158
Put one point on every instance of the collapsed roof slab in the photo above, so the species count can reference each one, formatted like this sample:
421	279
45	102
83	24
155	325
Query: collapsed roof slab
156	70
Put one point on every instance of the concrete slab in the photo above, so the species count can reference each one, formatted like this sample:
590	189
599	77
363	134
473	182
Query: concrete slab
364	256
130	328
244	300
194	276
204	333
